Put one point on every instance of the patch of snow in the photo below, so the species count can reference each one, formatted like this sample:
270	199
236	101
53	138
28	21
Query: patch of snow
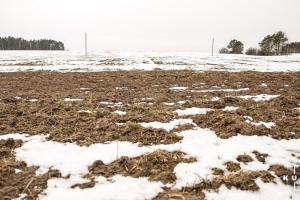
147	99
84	89
266	124
222	90
181	102
248	119
215	99
75	159
86	111
168	126
116	188
118	112
260	97
230	109
215	86
18	98
260	123
106	103
263	85
33	100
111	104
193	111
212	151
178	88
17	171
169	104
120	124
72	100
203	144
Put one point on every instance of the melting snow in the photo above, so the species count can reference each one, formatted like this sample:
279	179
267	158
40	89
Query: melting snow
169	104
260	123
263	85
118	104
70	158
33	100
260	97
222	90
147	99
230	109
266	124
118	112
215	99
203	144
178	88
85	89
70	99
193	111
86	111
66	61
212	151
181	102
167	125
116	188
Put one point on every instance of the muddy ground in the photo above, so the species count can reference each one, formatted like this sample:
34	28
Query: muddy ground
34	103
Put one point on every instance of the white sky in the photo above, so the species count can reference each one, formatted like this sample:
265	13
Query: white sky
149	25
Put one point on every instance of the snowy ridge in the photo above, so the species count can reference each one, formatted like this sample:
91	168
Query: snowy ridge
66	61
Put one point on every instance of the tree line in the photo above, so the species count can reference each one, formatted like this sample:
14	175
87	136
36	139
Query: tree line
275	44
12	43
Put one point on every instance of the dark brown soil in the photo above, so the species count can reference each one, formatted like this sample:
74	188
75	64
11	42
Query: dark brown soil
232	166
61	120
158	166
281	171
260	156
244	158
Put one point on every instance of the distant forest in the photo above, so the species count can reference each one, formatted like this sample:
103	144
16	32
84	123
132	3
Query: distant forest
11	43
271	45
293	47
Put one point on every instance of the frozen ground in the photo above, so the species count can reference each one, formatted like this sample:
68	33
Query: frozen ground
65	61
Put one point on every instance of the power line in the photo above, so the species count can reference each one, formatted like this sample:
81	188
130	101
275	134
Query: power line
212	47
85	44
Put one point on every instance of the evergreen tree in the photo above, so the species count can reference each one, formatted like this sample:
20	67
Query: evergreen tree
235	47
11	43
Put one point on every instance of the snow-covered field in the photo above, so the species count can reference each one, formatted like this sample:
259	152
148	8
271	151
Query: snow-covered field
247	119
65	61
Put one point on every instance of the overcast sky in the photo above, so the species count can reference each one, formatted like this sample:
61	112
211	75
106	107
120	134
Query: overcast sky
149	25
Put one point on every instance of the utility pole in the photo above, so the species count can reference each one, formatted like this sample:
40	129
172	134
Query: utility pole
85	44
212	47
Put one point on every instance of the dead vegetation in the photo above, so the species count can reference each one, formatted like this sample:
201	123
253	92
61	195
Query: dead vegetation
158	166
243	180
